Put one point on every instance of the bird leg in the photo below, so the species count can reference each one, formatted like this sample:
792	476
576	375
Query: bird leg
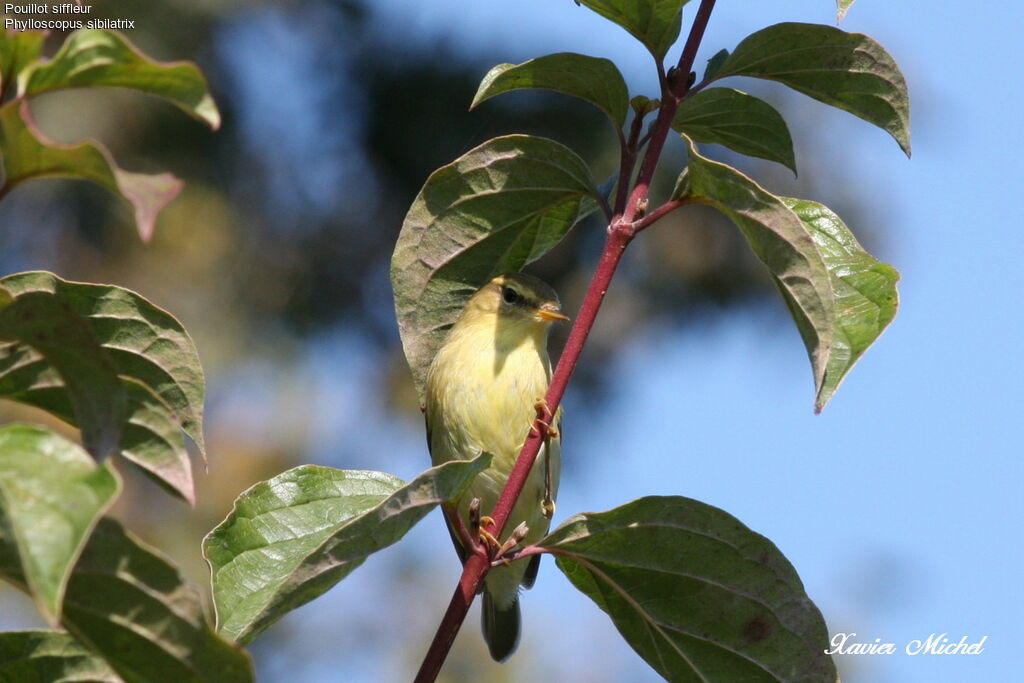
547	504
477	524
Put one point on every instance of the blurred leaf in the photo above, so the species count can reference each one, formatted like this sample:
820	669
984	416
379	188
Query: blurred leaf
52	494
133	607
48	323
643	105
26	154
50	657
18	49
291	538
696	593
144	342
97	58
780	240
846	70
151	437
864	290
593	79
741	122
715	63
842	7
491	211
655	23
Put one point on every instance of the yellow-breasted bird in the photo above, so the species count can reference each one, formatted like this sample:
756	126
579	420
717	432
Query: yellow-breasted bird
482	391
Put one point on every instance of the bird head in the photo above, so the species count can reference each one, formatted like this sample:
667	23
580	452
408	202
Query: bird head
516	305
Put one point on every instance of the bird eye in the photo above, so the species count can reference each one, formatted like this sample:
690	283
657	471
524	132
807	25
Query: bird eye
509	295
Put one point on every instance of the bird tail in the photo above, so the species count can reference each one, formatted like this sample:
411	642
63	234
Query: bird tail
501	626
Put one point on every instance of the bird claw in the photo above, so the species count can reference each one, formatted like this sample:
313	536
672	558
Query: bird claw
544	417
478	524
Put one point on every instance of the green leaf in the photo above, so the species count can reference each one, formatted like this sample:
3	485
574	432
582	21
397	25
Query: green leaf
151	438
291	538
846	70
842	7
781	241
133	607
593	79
51	495
715	63
50	657
97	58
696	593
741	122
153	441
26	153
144	342
864	288
643	105
18	49
50	325
493	210
655	23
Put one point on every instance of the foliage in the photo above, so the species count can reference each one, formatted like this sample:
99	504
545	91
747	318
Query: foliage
89	58
696	593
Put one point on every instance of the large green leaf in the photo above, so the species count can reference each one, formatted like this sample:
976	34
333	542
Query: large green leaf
739	121
51	496
18	49
493	210
655	23
846	70
151	437
291	538
696	593
96	58
864	290
715	63
133	607
781	241
49	324
144	342
26	153
593	79
50	657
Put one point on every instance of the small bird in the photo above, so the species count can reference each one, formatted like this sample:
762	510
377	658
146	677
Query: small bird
483	390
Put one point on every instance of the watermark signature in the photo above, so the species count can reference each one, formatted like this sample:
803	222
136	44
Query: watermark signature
934	644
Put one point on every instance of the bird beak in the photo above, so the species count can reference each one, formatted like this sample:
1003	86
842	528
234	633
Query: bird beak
550	313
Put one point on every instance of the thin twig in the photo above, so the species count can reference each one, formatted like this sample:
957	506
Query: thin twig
653	217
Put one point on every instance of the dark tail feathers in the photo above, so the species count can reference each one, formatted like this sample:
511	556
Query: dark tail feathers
501	627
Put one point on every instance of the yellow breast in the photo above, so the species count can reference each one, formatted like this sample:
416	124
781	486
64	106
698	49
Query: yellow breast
481	393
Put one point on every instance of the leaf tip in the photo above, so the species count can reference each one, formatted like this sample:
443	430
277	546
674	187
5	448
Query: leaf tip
208	112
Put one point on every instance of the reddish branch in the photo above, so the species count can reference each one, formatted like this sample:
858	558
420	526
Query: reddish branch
620	233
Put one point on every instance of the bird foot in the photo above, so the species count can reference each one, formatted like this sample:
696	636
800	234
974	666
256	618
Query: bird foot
544	417
478	524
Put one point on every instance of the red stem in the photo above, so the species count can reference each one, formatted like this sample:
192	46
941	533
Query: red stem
620	234
654	216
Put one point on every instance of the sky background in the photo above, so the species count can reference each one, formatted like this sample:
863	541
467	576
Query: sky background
899	506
